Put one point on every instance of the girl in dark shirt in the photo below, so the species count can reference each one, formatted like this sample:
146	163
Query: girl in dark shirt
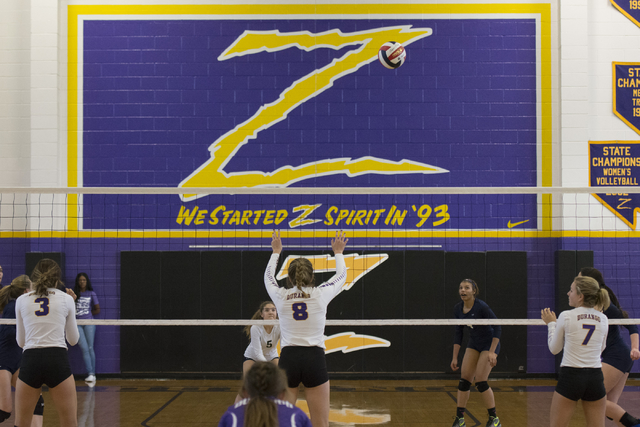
481	353
617	357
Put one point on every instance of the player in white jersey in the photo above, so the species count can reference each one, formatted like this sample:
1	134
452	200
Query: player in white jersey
302	308
43	316
263	346
582	334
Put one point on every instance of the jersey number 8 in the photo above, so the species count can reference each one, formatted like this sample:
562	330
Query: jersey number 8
300	311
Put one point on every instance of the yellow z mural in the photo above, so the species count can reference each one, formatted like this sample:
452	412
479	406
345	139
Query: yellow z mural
365	50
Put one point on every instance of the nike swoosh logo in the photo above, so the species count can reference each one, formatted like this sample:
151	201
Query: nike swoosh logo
513	224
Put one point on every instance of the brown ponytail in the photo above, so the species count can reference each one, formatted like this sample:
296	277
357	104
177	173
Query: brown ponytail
264	382
14	290
46	274
301	274
594	295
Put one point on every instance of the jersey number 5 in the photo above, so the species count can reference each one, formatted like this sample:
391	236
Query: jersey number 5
591	328
44	306
300	311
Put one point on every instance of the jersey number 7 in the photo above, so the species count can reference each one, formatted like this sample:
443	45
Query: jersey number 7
591	329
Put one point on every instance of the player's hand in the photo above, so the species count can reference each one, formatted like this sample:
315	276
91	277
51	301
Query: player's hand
454	364
548	316
493	359
635	354
339	242
73	294
276	242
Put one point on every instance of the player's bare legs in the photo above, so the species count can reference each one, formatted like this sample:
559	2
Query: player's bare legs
614	381
594	412
318	401
292	395
483	370
26	399
562	410
66	401
467	372
245	368
6	402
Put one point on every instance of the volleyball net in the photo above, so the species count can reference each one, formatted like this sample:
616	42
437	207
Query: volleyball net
178	270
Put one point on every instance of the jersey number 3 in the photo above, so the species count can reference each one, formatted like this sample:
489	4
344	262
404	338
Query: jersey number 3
44	306
300	311
590	328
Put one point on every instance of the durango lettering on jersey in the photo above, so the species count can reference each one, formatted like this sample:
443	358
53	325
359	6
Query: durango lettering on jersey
294	296
589	316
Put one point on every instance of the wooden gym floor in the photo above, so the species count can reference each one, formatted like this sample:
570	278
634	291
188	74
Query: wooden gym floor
169	403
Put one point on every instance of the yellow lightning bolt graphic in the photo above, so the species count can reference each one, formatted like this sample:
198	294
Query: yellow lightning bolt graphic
350	341
348	415
366	44
357	265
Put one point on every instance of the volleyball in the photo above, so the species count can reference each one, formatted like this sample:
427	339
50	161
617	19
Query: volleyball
392	55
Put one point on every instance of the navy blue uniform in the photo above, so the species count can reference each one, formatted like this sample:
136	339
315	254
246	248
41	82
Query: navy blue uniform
10	351
617	353
480	336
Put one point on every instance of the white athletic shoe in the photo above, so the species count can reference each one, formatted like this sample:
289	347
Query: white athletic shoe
90	378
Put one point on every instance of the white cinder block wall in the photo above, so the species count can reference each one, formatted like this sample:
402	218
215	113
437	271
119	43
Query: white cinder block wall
15	111
33	150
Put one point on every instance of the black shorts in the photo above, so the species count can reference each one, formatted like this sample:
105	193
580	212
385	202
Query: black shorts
48	366
306	365
618	356
10	361
481	346
581	384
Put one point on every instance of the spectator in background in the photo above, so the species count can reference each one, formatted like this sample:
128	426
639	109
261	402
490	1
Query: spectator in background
87	306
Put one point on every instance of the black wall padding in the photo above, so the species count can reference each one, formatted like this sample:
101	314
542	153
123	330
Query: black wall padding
230	285
32	258
506	285
568	265
426	298
141	347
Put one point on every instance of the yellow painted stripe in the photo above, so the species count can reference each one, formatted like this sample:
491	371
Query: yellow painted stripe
266	234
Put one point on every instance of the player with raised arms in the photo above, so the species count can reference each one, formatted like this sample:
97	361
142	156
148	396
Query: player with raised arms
582	334
302	307
481	353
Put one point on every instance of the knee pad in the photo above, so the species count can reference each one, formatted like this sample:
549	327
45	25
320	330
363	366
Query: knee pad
482	386
464	385
39	410
4	415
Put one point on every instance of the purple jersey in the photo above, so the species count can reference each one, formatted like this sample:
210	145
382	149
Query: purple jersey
84	304
288	415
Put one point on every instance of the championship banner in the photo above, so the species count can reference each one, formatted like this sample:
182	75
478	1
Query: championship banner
626	93
629	8
616	163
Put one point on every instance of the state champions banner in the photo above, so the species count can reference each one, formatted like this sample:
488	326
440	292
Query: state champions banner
626	93
629	8
293	95
616	163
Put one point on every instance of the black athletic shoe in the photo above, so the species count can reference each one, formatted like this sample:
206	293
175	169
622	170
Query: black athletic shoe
494	422
459	422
